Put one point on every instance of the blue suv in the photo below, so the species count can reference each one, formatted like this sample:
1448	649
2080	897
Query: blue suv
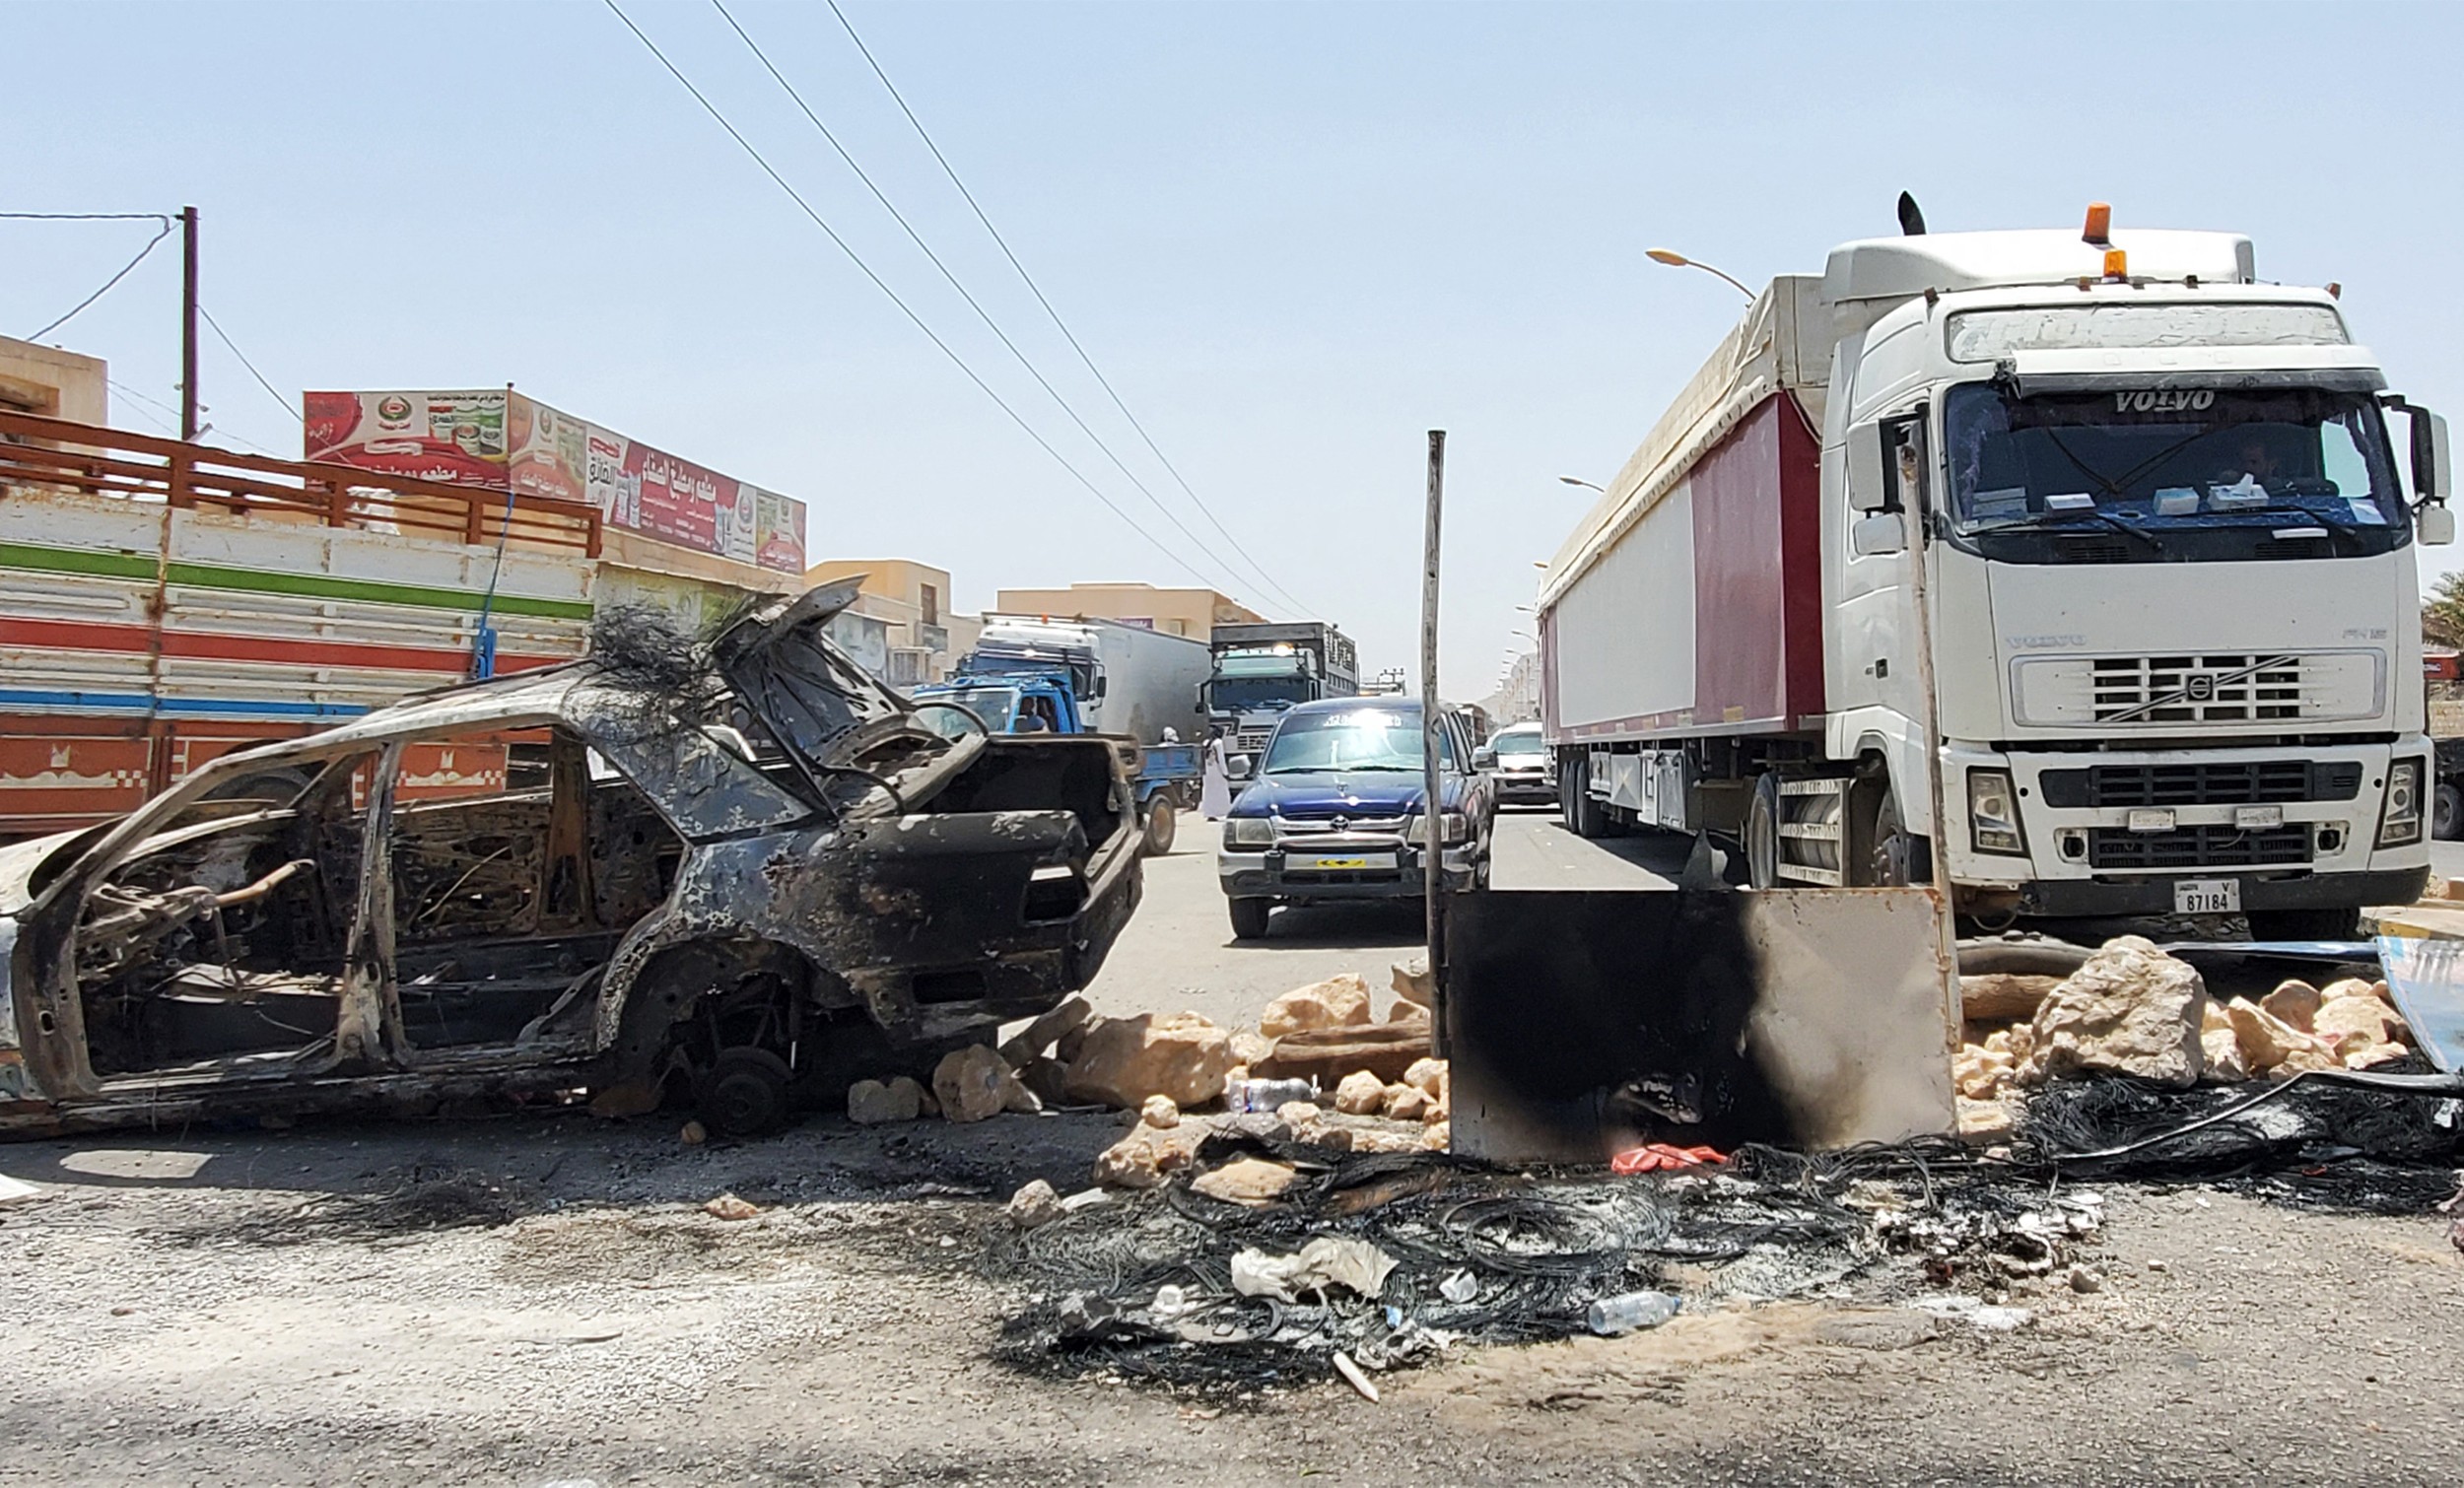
1334	810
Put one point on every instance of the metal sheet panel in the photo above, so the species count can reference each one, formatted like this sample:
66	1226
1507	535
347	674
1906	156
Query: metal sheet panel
1581	1023
2427	978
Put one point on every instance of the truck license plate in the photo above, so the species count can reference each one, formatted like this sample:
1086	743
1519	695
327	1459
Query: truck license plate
1364	860
2206	896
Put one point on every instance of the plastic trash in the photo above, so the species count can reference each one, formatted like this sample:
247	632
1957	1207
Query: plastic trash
1612	1315
1268	1096
1460	1287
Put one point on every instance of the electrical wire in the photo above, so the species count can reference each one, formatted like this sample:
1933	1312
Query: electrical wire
129	391
1064	327
972	303
904	308
224	337
79	307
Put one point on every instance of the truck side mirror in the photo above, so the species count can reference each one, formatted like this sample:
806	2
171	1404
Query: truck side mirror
1097	694
2434	527
2430	470
1866	490
1878	534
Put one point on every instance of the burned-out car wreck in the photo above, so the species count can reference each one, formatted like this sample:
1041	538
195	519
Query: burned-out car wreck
730	875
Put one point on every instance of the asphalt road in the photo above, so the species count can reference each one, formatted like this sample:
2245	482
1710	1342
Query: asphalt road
2447	859
1178	951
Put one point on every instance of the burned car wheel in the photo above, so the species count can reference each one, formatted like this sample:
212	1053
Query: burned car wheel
744	1092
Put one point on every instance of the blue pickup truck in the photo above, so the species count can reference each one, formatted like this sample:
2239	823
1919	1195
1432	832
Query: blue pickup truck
1140	687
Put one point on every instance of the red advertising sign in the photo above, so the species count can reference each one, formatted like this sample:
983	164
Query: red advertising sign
498	439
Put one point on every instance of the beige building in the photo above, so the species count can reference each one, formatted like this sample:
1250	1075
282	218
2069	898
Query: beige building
913	600
1176	612
51	383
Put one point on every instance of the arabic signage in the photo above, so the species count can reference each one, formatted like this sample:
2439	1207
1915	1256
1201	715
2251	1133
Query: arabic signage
498	438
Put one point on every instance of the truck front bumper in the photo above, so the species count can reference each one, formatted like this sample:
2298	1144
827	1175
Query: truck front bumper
2110	833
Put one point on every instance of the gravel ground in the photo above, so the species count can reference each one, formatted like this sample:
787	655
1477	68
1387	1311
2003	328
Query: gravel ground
539	1300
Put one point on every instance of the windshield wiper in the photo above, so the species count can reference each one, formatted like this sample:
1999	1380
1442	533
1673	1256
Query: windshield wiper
2116	522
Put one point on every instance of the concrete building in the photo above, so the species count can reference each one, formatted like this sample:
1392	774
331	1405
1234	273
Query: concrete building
912	600
1176	612
52	384
1517	698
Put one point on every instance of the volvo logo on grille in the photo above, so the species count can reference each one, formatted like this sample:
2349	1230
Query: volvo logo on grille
2200	687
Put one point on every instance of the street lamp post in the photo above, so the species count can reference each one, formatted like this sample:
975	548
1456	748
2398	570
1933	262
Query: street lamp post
1676	260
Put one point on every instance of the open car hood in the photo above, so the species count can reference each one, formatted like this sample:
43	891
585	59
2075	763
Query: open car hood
808	691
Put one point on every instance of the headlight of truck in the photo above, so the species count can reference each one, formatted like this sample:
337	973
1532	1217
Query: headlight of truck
2400	820
1247	832
1457	829
1994	814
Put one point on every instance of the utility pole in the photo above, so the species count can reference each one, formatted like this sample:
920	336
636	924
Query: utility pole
1432	795
189	324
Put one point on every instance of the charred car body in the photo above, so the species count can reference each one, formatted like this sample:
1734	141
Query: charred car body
736	876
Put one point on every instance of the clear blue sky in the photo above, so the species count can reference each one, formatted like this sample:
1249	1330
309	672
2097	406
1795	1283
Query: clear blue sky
1296	237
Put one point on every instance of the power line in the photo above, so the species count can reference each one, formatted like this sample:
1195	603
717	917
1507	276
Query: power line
877	282
1061	324
224	337
85	216
107	282
972	304
141	413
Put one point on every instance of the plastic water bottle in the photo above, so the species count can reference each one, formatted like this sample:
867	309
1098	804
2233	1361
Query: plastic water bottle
1268	1096
1610	1315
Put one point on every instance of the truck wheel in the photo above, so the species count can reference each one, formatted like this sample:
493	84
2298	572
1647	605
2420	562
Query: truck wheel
2305	925
1762	834
1249	918
2446	816
1162	825
1896	850
744	1092
1591	819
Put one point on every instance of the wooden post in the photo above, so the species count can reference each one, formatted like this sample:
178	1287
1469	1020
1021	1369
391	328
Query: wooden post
1433	801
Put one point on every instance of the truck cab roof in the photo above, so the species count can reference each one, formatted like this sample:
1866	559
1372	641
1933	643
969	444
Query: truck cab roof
1896	268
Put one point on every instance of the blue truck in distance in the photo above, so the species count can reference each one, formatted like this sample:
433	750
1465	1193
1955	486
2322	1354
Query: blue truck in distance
1263	670
1140	687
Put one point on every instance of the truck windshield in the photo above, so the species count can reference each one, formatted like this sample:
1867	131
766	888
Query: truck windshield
1366	739
998	706
2174	474
1240	694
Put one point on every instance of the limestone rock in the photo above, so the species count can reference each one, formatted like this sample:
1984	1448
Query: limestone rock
1149	1155
2214	1017
1339	1001
2268	1041
1981	1073
2379	991
1033	1205
2373	1056
906	1087
1996	995
1360	1094
1041	1034
1437	1136
2351	1023
1429	1075
1441	1111
1405	1103
1121	1062
869	1102
1408	1013
1250	1045
1160	1113
2130	1009
974	1084
2350	986
2223	1050
1326	1055
1246	1181
2293	1001
1984	1120
2012	1044
728	1206
1413	981
1298	1114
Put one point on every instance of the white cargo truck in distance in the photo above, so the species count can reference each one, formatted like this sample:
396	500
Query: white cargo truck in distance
2090	541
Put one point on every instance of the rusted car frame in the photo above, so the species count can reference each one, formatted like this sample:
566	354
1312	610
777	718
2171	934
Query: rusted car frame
743	908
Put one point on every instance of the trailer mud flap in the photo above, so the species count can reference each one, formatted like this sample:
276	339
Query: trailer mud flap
1583	1023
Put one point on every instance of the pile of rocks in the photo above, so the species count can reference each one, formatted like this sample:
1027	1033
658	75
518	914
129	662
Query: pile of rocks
1377	1088
2133	1010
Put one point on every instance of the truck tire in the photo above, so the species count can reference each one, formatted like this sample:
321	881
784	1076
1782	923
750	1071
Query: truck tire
2305	925
1897	853
2447	815
1762	834
1591	818
1162	824
1249	918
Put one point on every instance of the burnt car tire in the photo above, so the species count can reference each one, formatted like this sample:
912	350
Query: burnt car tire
1162	826
744	1092
1249	918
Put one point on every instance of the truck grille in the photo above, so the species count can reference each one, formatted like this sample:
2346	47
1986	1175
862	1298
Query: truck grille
2245	688
1252	740
2214	847
2204	784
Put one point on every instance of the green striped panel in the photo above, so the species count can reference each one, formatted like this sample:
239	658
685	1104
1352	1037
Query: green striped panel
311	585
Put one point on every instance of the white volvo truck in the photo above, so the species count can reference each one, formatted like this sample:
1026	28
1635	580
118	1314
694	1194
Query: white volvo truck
2084	559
